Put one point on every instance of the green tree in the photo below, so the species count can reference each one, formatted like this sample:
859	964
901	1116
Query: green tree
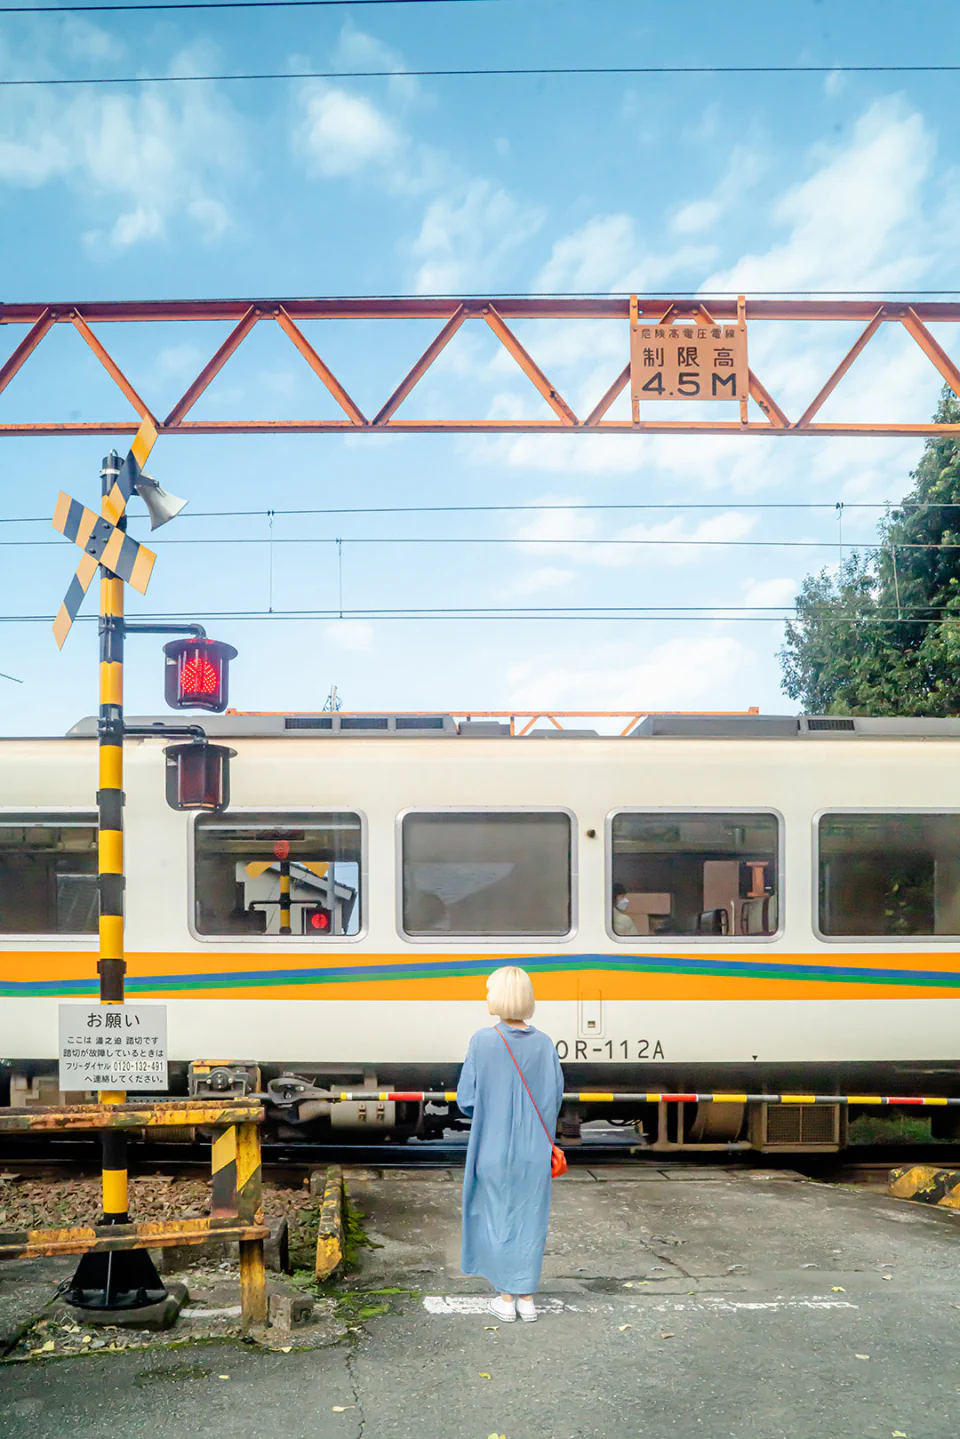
882	636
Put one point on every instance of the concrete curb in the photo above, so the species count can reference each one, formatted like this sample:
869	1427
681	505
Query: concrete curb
926	1184
330	1233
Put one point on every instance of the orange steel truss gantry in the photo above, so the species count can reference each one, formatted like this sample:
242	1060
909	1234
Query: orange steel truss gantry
32	322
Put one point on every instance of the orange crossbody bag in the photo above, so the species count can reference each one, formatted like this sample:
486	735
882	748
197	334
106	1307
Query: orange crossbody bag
558	1160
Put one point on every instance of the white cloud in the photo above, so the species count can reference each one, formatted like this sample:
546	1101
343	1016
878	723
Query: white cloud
671	542
853	223
356	50
341	134
696	215
834	84
764	593
351	636
606	253
709	671
591	257
179	361
466	234
143	160
548	577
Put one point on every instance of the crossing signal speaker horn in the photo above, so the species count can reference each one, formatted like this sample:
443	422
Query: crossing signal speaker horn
162	506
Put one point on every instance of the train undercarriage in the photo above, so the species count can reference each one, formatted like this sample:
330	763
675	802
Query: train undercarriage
303	1103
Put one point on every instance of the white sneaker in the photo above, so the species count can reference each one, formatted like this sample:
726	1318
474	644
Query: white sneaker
527	1310
504	1309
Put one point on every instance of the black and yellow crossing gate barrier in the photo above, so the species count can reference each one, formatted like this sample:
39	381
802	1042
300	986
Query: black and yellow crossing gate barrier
236	1210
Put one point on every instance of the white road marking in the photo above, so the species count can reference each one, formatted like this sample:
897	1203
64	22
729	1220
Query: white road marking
450	1305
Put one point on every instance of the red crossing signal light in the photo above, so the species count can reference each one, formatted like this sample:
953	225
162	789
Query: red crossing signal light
196	674
317	920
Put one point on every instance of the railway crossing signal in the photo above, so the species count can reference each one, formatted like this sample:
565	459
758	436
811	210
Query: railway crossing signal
196	674
101	537
106	1282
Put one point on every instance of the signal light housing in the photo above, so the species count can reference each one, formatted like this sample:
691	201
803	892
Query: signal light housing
198	776
317	920
196	674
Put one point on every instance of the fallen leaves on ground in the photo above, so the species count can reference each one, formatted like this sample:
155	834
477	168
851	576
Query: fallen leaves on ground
837	1289
66	1202
484	1376
625	1327
668	1335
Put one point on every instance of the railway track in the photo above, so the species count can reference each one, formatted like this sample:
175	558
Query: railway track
287	1162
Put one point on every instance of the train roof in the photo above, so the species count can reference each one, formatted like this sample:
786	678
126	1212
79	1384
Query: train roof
439	725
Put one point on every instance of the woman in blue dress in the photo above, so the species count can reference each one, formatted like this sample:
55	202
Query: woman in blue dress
507	1180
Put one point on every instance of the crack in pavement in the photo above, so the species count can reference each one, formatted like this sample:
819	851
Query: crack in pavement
355	1387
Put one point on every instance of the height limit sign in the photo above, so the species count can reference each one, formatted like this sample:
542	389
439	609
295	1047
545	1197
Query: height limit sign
113	1046
691	361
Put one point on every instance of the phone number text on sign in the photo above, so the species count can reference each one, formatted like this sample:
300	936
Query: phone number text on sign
113	1046
690	362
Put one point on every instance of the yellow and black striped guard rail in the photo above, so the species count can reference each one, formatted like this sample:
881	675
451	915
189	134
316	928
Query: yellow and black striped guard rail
585	1096
236	1210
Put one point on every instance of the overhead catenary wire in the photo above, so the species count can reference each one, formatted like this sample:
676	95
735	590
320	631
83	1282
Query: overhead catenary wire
220	5
534	509
526	541
491	72
721	614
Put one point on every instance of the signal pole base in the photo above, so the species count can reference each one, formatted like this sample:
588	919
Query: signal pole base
123	1287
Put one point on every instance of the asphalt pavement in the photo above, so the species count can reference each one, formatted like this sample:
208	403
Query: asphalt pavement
716	1304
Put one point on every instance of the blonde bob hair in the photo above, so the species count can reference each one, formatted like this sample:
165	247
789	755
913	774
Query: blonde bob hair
510	993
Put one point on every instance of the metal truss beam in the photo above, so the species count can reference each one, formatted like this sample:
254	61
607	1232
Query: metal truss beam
31	323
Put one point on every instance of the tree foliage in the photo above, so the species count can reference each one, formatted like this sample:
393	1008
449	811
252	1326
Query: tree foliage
882	635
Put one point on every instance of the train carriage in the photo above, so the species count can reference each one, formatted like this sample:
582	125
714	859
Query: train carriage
758	903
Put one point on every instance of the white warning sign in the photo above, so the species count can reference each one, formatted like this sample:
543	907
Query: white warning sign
113	1046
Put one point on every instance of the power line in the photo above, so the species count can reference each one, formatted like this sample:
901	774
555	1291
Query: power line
721	614
829	505
218	5
524	541
518	72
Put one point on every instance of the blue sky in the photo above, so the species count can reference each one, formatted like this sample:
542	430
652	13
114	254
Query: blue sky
657	184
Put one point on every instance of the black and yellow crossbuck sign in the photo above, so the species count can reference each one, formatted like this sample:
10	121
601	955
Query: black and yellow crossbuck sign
100	539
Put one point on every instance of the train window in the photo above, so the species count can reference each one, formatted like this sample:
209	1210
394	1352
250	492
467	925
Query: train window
48	874
247	863
889	874
693	873
478	873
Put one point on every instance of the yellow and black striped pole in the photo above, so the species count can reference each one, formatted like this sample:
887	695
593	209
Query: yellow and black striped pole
112	965
284	896
108	1283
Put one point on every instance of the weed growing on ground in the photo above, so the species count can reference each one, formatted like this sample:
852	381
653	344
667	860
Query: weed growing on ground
891	1129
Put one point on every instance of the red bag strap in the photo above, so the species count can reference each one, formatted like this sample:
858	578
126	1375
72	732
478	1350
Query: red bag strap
524	1083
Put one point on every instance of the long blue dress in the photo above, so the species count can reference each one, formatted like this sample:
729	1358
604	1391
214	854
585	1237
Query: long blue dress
507	1181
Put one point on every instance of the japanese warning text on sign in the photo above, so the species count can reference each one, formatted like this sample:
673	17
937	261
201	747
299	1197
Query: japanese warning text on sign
113	1046
689	362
